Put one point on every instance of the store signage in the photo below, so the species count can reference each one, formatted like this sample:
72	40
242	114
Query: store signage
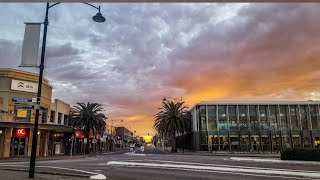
26	86
27	106
20	132
79	134
16	99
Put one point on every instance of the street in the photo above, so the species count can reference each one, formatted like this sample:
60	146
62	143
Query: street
156	164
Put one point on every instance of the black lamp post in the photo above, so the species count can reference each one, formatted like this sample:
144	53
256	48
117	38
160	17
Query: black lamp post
97	18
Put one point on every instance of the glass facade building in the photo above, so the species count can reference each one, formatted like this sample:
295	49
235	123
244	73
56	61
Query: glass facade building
256	126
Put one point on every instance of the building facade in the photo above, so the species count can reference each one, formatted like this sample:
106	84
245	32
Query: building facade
124	136
16	124
255	126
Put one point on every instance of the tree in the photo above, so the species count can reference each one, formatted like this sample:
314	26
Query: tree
89	118
173	118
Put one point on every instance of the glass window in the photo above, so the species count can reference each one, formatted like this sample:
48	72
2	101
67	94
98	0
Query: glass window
243	118
254	123
314	116
264	124
294	117
222	117
273	118
202	118
304	116
212	123
59	118
44	115
285	125
52	116
66	120
22	115
233	124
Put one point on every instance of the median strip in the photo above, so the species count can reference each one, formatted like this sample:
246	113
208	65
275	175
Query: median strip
285	172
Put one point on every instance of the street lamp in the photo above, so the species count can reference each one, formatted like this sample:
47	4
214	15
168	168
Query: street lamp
97	18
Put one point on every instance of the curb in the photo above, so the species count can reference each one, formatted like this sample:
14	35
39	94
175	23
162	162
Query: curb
51	173
228	155
46	159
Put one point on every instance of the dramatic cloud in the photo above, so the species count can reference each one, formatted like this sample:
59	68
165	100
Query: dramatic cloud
196	51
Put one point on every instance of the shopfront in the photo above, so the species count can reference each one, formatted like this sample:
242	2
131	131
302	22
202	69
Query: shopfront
19	142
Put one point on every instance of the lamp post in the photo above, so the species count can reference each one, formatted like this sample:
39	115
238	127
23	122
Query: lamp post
97	18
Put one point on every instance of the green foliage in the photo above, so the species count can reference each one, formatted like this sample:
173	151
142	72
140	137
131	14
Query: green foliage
301	154
89	118
173	118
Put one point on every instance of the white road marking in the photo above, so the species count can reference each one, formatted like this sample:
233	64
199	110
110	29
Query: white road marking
221	165
274	161
134	154
94	175
229	169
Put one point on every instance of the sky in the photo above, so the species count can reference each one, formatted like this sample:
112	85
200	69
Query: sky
143	52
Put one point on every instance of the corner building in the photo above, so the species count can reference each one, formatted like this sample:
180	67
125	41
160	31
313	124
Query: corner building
16	125
255	126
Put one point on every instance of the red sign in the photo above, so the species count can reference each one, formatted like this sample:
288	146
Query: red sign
98	136
20	132
79	134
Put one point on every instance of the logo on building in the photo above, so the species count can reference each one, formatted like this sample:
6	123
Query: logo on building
26	86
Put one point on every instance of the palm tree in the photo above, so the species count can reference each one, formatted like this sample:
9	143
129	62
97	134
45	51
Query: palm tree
89	118
173	118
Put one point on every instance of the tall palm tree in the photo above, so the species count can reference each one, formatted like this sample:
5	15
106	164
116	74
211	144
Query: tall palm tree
173	118
89	118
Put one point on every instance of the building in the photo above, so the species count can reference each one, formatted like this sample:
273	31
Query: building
124	136
255	126
16	124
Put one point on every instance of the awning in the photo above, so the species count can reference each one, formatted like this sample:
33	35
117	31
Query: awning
50	127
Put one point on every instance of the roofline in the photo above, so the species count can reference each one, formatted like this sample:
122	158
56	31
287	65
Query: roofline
254	103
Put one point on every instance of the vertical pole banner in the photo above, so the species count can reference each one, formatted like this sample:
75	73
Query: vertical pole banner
30	47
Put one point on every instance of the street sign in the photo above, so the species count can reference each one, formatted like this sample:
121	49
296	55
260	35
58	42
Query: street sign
27	106
16	99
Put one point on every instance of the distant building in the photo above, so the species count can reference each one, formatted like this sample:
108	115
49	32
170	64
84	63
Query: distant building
124	136
255	126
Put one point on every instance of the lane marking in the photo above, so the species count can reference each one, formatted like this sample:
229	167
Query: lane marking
229	169
221	165
274	161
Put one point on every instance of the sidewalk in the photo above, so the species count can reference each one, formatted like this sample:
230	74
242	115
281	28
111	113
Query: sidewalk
22	175
41	158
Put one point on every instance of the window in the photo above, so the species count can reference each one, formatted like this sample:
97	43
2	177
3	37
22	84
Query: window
44	115
202	118
273	118
264	124
285	125
22	115
222	116
233	124
52	116
314	111
66	120
243	118
59	118
294	117
254	123
304	117
212	123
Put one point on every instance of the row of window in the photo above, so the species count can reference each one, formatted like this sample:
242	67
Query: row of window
25	115
255	118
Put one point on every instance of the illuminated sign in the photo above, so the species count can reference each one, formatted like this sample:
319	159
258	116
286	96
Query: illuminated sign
20	132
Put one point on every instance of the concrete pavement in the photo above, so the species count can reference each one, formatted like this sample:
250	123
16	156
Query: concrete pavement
160	165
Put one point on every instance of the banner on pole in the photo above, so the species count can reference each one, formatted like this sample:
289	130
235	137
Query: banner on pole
30	47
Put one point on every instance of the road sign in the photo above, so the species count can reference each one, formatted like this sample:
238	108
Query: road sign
16	99
27	106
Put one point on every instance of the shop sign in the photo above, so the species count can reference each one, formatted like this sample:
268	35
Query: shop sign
17	99
26	86
79	134
22	113
20	132
27	106
59	135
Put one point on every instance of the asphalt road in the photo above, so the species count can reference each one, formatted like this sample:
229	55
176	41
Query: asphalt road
155	164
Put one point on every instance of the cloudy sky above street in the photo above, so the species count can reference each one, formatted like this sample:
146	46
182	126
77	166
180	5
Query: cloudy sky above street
144	52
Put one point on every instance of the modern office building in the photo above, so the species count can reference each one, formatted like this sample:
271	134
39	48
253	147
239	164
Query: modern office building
16	124
255	126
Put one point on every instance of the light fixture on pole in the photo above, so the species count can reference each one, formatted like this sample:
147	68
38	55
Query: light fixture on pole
97	18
